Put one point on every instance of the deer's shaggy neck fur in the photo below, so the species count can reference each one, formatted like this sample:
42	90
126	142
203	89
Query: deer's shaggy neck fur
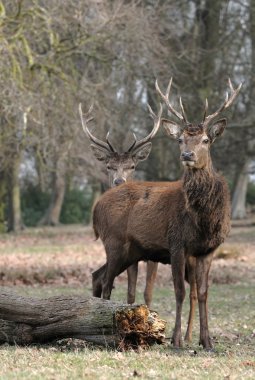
207	204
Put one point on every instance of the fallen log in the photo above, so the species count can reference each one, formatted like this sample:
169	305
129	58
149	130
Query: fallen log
25	320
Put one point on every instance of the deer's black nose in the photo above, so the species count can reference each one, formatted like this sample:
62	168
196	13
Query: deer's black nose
187	156
118	181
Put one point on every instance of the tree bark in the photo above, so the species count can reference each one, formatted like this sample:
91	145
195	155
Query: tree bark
240	192
14	216
239	196
2	201
208	17
52	215
40	171
251	106
28	320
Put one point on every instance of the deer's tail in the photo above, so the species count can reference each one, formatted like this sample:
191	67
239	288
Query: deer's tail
95	232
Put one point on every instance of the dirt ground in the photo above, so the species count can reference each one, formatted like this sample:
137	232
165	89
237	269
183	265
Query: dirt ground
69	254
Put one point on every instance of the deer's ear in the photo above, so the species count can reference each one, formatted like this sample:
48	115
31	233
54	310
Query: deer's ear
142	153
172	129
217	129
101	154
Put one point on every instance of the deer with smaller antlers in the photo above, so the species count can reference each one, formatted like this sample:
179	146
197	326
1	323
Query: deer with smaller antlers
182	222
121	167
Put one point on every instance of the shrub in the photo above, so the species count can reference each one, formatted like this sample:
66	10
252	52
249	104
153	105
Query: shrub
2	207
34	203
76	207
251	194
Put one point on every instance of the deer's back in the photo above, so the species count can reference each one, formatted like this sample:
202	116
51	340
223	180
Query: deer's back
138	212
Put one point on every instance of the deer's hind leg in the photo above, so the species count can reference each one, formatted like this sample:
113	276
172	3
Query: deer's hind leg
118	260
97	278
152	269
132	273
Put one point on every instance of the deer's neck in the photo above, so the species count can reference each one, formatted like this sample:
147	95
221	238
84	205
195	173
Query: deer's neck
199	186
207	202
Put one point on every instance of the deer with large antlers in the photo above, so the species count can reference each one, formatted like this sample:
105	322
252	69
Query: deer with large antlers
182	222
121	167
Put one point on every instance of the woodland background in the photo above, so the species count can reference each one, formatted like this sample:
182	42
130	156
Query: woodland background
55	54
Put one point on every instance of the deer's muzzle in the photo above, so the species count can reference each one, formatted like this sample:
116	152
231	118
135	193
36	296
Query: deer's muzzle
118	181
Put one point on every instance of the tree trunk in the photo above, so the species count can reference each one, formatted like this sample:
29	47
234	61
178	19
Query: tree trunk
52	214
251	105
239	196
28	320
2	201
14	218
40	171
208	17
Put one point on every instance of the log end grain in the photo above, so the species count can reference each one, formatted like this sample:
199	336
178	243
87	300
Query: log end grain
139	327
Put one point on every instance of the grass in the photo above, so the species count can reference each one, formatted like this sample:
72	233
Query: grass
42	363
231	321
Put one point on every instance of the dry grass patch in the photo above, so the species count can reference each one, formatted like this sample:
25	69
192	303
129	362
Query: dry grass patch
227	251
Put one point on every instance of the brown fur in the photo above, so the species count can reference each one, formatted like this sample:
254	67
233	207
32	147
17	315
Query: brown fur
200	201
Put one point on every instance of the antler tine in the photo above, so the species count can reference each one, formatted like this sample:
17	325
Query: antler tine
85	119
183	112
235	92
166	99
133	143
168	87
206	109
108	142
230	85
157	120
228	101
209	118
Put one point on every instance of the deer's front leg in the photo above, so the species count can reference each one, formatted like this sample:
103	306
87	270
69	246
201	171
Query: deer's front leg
191	278
202	271
178	271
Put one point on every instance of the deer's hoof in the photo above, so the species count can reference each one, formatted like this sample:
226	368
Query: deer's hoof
207	344
188	339
177	341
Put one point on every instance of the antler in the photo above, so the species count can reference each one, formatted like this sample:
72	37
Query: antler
228	101
165	97
85	119
157	118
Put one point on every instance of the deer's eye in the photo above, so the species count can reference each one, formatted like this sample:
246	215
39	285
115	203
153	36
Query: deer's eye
206	141
132	167
180	141
108	167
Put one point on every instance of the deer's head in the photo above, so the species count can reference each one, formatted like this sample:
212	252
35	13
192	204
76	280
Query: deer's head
195	139
120	166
